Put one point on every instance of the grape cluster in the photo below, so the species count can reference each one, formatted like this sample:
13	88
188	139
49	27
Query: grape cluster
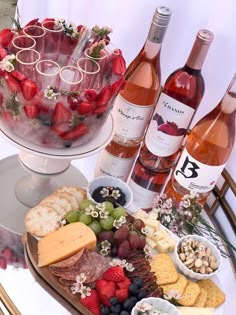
125	239
135	294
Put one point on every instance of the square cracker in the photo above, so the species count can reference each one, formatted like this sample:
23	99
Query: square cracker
202	298
215	296
190	294
179	285
163	267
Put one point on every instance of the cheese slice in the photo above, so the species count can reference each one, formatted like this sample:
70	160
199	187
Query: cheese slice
65	242
183	310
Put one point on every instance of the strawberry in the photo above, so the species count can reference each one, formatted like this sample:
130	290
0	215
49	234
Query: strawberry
114	273
18	76
3	53
6	36
90	95
92	302
124	283
118	65
33	22
85	108
104	96
74	102
31	111
12	83
77	132
122	294
61	113
117	86
105	289
3	263
101	110
8	254
1	98
60	129
29	89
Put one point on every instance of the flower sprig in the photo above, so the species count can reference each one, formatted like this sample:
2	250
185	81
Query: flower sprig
95	50
188	218
79	287
102	31
53	93
8	63
69	29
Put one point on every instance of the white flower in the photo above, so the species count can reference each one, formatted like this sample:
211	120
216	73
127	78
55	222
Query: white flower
117	224
50	93
106	244
63	221
104	192
104	251
129	267
7	63
94	214
122	219
144	306
145	230
103	214
101	206
89	210
116	193
172	294
81	278
76	287
148	252
85	291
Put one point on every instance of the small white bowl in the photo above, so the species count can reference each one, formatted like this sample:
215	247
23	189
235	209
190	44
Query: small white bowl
188	272
110	181
158	304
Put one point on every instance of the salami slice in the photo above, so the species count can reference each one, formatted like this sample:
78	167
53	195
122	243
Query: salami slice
66	264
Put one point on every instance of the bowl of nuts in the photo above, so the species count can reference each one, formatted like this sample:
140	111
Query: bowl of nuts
196	257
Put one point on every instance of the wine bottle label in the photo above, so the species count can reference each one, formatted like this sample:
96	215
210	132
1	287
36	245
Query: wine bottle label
111	165
194	175
142	198
168	126
130	119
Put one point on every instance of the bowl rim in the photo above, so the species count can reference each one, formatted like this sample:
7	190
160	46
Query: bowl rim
160	300
185	269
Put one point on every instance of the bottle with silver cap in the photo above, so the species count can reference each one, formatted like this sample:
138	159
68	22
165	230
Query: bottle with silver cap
135	103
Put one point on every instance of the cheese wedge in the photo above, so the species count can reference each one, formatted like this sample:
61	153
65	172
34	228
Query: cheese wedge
65	242
183	310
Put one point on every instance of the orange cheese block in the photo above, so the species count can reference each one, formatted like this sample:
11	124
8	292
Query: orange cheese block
65	242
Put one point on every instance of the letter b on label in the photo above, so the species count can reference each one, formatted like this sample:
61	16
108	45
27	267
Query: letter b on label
188	169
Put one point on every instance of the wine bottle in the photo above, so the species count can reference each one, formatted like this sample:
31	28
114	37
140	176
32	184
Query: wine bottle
117	158
134	105
176	106
206	152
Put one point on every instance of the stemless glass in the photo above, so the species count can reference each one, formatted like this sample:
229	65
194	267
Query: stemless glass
38	34
90	69
47	74
22	42
70	79
52	40
26	61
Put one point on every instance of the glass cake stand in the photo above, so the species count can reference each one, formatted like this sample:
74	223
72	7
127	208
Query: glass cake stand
37	171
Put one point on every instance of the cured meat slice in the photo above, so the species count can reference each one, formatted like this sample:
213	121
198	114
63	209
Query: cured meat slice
66	264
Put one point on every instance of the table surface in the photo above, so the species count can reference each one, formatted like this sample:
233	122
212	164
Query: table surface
31	299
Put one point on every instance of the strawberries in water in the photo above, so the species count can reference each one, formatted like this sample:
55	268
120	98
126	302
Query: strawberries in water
12	83
118	65
92	302
3	263
60	129
85	108
106	289
31	111
114	273
90	95
77	132
61	113
29	89
104	96
18	76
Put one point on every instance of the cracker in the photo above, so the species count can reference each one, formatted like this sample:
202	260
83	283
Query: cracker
79	193
202	298
42	220
215	296
178	286
190	294
71	198
163	267
61	200
59	208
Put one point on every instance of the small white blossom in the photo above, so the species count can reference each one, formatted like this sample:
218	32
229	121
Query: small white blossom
148	252
105	244
145	230
104	192
172	294
85	291
81	278
103	214
50	93
129	267
104	251
115	262
89	210
101	206
76	287
116	193
7	63
63	221
94	214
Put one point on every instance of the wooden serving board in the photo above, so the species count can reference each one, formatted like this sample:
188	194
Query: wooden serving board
50	282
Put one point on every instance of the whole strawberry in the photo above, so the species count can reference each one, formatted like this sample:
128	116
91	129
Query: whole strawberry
105	289
92	302
114	273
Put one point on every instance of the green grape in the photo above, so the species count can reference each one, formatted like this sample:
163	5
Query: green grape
85	218
72	216
118	212
109	206
107	223
95	226
85	203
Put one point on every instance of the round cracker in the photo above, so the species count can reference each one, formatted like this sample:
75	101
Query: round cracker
79	193
58	207
71	198
58	198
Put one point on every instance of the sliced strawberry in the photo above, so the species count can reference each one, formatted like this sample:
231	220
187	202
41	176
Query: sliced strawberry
77	132
49	23
31	111
85	108
3	263
117	86
60	129
61	113
3	53
104	96
90	95
33	22
100	110
118	65
6	36
44	109
92	302
122	294
79	27
1	98
8	254
29	89
74	102
12	83
106	289
124	283
114	273
18	75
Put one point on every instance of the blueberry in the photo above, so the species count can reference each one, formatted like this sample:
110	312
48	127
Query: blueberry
124	313
114	300
116	308
138	281
142	294
133	289
129	303
105	310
